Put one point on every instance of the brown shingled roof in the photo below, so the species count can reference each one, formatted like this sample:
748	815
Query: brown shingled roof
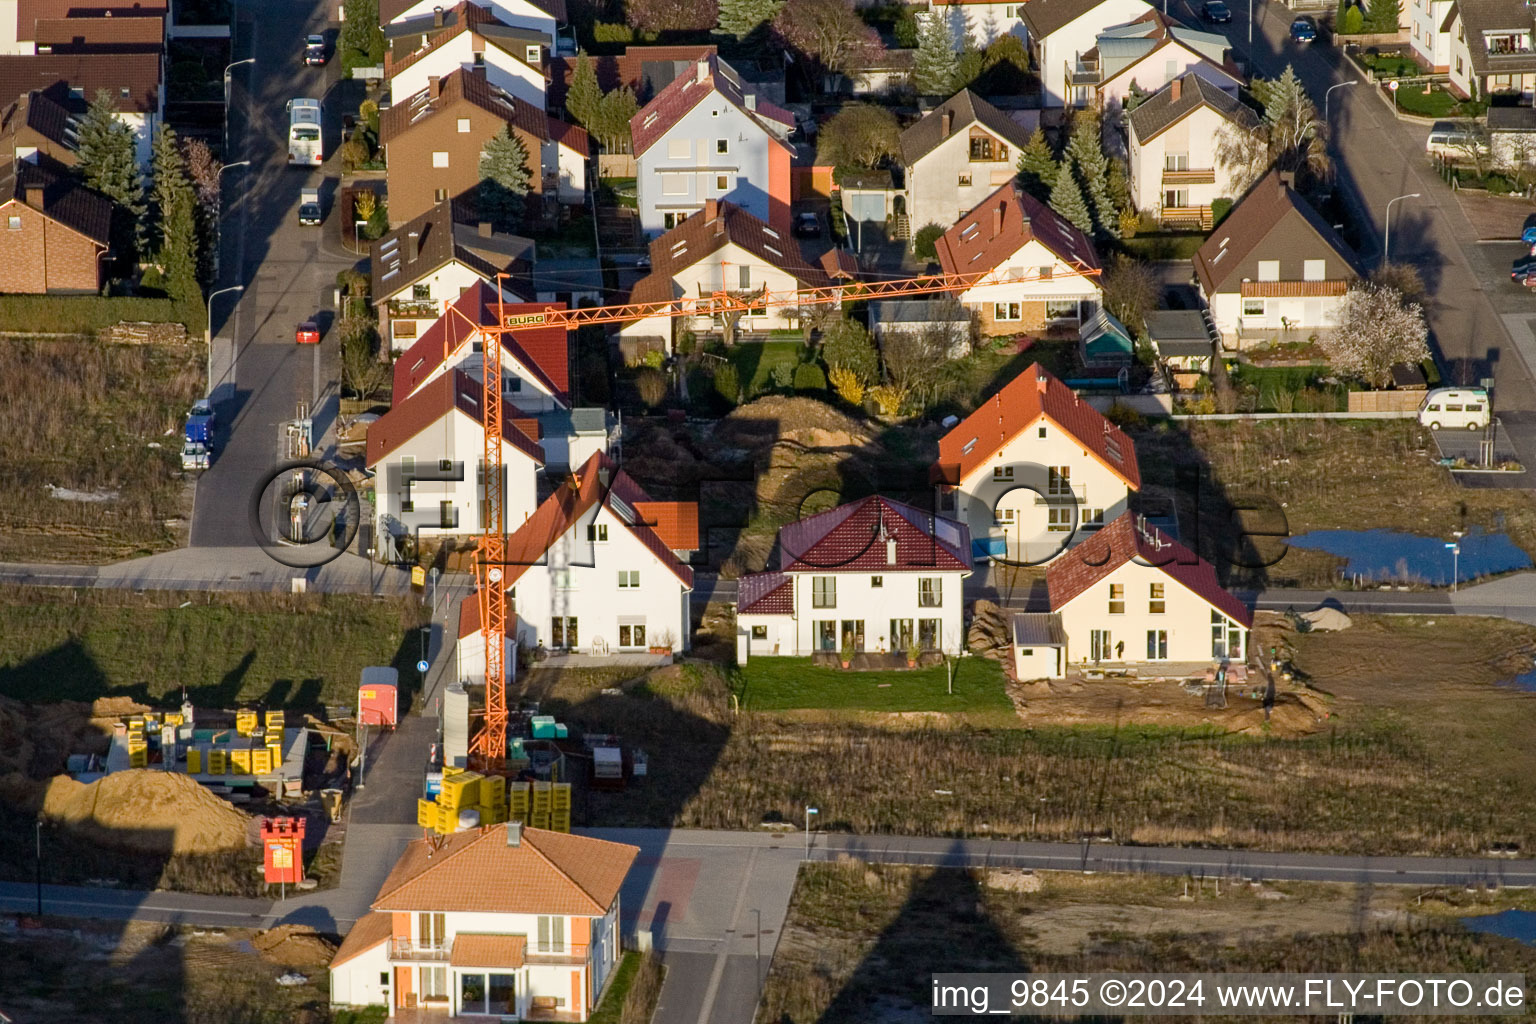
55	74
982	241
64	201
30	12
468	87
102	35
370	930
645	69
686	91
1251	221
721	223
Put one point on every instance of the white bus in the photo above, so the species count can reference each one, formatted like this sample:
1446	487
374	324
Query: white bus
304	145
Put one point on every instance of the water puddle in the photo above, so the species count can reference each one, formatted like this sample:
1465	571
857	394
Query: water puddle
1511	924
1391	555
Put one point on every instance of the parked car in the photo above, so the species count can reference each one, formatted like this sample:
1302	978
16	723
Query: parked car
308	333
1216	12
314	50
1528	236
194	456
1303	30
1456	139
199	429
1455	409
1523	269
807	225
309	206
643	262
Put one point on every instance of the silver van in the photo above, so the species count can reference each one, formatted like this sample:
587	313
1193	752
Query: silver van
1455	139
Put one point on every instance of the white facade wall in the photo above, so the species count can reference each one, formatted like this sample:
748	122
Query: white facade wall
461	440
683	168
1059	50
1038	663
501	69
571	167
578	578
517	13
1186	620
935	194
470	655
858	600
1015	280
1431	45
1227	309
1194	139
724	269
983	501
8	43
1159	68
984	23
530	395
357	982
444	286
1460	69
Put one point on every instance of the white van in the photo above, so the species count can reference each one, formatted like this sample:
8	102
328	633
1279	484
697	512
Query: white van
1455	139
1454	409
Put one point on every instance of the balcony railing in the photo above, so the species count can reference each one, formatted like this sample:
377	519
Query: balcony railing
405	949
573	953
1190	176
412	308
1191	214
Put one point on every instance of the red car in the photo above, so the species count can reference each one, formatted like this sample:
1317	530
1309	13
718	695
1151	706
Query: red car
308	333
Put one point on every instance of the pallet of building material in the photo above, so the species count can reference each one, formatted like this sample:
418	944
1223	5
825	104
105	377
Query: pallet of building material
493	791
541	798
194	761
240	761
560	796
426	813
218	762
560	821
491	815
261	761
273	720
245	722
462	790
539	819
517	800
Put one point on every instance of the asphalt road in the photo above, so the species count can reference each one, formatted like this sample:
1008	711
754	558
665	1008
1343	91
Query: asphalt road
288	271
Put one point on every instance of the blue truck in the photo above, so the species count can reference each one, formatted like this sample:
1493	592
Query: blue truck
200	424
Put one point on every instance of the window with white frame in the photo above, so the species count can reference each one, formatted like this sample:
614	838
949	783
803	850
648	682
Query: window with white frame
1156	601
1005	311
532	53
551	934
823	591
440	158
1314	270
631	634
1269	270
565	579
629	579
1117	599
597	533
1253	307
930	591
1002	517
1175	161
1061	309
1058	520
759	632
722	145
463	126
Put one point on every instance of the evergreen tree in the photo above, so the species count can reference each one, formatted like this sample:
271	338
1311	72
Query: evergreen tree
740	18
175	217
936	64
1382	15
504	179
1037	166
584	95
107	161
361	43
1085	149
1067	199
617	109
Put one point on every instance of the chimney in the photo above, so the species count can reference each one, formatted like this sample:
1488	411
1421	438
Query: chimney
434	86
412	246
711	209
35	196
703	70
437	17
485	229
948	121
1175	89
514	833
1287	179
1042	383
997	220
750	99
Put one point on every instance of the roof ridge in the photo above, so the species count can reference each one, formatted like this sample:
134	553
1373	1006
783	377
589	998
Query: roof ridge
561	871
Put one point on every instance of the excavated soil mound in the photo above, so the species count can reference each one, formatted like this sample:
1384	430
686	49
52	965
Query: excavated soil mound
146	809
36	738
812	423
294	946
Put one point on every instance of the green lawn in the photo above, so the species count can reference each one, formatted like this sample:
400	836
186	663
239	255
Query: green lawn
755	362
1163	245
780	684
1424	101
299	651
1391	65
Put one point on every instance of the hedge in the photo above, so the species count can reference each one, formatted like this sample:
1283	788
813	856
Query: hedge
85	314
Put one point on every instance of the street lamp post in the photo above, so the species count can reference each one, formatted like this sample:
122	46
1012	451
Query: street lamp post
227	69
39	824
1455	547
208	330
758	935
218	219
1328	95
1386	241
808	812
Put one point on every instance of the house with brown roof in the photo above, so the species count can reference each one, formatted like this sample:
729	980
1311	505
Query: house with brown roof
1131	595
1060	32
1492	48
57	232
502	920
1033	269
724	249
1033	471
1148	53
1274	264
874	575
1173	137
543	16
600	567
956	156
466	36
428	456
133	80
34	127
708	135
42	26
646	70
434	140
425	264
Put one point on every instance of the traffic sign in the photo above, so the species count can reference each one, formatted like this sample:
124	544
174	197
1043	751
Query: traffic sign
421	666
1392	85
418	576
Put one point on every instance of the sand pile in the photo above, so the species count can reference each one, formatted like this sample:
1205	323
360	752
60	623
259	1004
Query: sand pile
294	946
147	809
36	738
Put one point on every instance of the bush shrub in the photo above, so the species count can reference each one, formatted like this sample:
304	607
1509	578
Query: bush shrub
923	241
1123	416
1220	208
728	383
808	377
652	385
783	375
847	385
1353	22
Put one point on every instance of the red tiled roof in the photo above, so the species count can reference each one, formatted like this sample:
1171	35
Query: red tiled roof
466	17
675	522
476	871
849	539
1032	394
686	91
1119	542
569	135
628	69
30	12
55	74
455	390
370	930
981	242
120	33
570	501
839	263
472	950
463	86
765	593
543	351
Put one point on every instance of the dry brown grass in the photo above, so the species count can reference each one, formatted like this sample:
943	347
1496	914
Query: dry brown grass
84	416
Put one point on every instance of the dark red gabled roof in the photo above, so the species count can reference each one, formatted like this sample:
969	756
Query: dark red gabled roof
1023	400
1077	570
854	538
687	90
1001	224
455	390
765	593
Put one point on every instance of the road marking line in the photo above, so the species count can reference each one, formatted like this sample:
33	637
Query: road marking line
708	1003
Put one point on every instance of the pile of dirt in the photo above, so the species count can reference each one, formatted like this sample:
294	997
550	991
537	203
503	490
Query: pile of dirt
163	812
761	423
297	946
1326	619
37	738
990	634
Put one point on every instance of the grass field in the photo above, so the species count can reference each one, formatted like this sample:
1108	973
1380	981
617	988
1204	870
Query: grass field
102	420
296	651
755	361
777	684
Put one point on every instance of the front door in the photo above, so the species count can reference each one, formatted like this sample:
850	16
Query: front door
562	632
1099	645
853	629
1157	645
901	634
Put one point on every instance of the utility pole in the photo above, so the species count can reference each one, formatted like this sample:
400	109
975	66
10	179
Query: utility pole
39	824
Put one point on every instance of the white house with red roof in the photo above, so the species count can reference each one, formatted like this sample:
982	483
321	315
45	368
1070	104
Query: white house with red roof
1131	594
1038	270
708	136
1034	470
876	573
541	16
427	453
499	921
602	568
469	36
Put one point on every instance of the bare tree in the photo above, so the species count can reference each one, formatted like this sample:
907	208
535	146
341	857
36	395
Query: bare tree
1130	291
1243	154
1377	329
1290	136
1405	278
918	363
828	32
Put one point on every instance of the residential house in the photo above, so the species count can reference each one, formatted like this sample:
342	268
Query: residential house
545	17
875	574
1511	136
426	263
1131	594
428	454
466	36
434	140
956	156
1036	269
73	79
143	34
646	70
724	249
1274	263
1060	32
1181	339
600	567
891	317
34	127
1034	470
1147	54
1173	137
57	231
706	136
878	74
1491	49
506	920
1429	33
42	26
982	21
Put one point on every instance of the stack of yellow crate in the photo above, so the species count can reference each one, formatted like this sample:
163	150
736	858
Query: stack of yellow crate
538	814
493	800
245	721
138	746
560	807
175	718
194	761
218	762
517	801
273	720
261	760
240	761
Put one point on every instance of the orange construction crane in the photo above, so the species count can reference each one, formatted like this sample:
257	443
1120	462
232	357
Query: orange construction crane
488	749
